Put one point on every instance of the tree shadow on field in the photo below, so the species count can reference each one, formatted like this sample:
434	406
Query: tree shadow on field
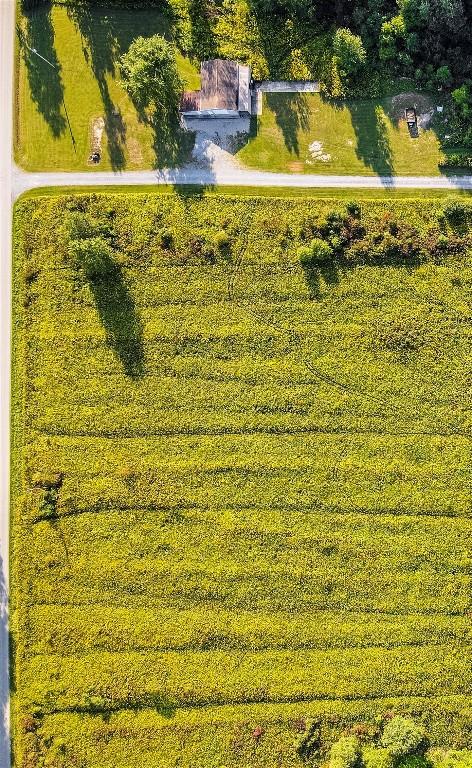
117	312
315	273
370	125
45	81
292	114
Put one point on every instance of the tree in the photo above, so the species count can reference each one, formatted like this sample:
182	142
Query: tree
403	737
434	15
349	52
93	256
150	74
392	38
317	253
345	753
462	98
443	76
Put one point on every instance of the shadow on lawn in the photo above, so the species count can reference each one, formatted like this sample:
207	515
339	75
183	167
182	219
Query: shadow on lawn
370	125
101	49
45	81
105	36
117	313
292	114
172	144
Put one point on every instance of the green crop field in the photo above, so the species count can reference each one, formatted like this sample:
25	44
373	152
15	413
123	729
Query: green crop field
241	477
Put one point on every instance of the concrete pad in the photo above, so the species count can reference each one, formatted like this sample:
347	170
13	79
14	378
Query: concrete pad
288	86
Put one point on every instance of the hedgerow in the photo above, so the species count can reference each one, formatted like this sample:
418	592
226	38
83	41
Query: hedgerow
242	478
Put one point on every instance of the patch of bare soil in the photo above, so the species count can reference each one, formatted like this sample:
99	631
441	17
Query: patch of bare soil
96	134
423	104
134	150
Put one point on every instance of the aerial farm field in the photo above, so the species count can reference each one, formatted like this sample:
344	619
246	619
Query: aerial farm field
242	446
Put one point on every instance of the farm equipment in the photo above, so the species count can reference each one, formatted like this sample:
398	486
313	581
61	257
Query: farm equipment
411	121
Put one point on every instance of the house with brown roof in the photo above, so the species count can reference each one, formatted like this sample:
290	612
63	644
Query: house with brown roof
225	91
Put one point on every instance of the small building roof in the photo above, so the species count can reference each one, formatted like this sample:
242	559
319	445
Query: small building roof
225	90
190	101
220	84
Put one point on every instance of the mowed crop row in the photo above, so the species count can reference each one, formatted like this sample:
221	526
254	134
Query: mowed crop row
242	492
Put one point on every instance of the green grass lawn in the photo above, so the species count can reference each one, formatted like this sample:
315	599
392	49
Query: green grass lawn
241	492
298	133
279	192
85	44
305	134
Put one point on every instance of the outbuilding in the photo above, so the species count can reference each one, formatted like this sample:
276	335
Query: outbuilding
225	91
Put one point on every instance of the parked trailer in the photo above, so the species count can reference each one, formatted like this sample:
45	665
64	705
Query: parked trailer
411	121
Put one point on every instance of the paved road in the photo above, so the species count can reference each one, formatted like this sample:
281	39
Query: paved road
211	176
6	123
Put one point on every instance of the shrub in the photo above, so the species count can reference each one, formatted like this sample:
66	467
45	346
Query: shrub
376	757
349	52
31	273
402	335
462	98
443	76
318	252
392	39
345	753
93	256
454	758
402	737
456	212
457	160
222	242
80	226
353	208
167	239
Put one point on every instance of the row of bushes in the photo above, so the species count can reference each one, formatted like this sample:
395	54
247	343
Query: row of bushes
252	735
457	160
152	230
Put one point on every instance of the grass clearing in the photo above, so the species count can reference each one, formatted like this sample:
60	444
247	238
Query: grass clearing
241	484
57	106
303	133
84	44
331	193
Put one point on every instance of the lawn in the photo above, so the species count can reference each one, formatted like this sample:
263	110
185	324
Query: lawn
241	492
57	108
84	44
306	134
